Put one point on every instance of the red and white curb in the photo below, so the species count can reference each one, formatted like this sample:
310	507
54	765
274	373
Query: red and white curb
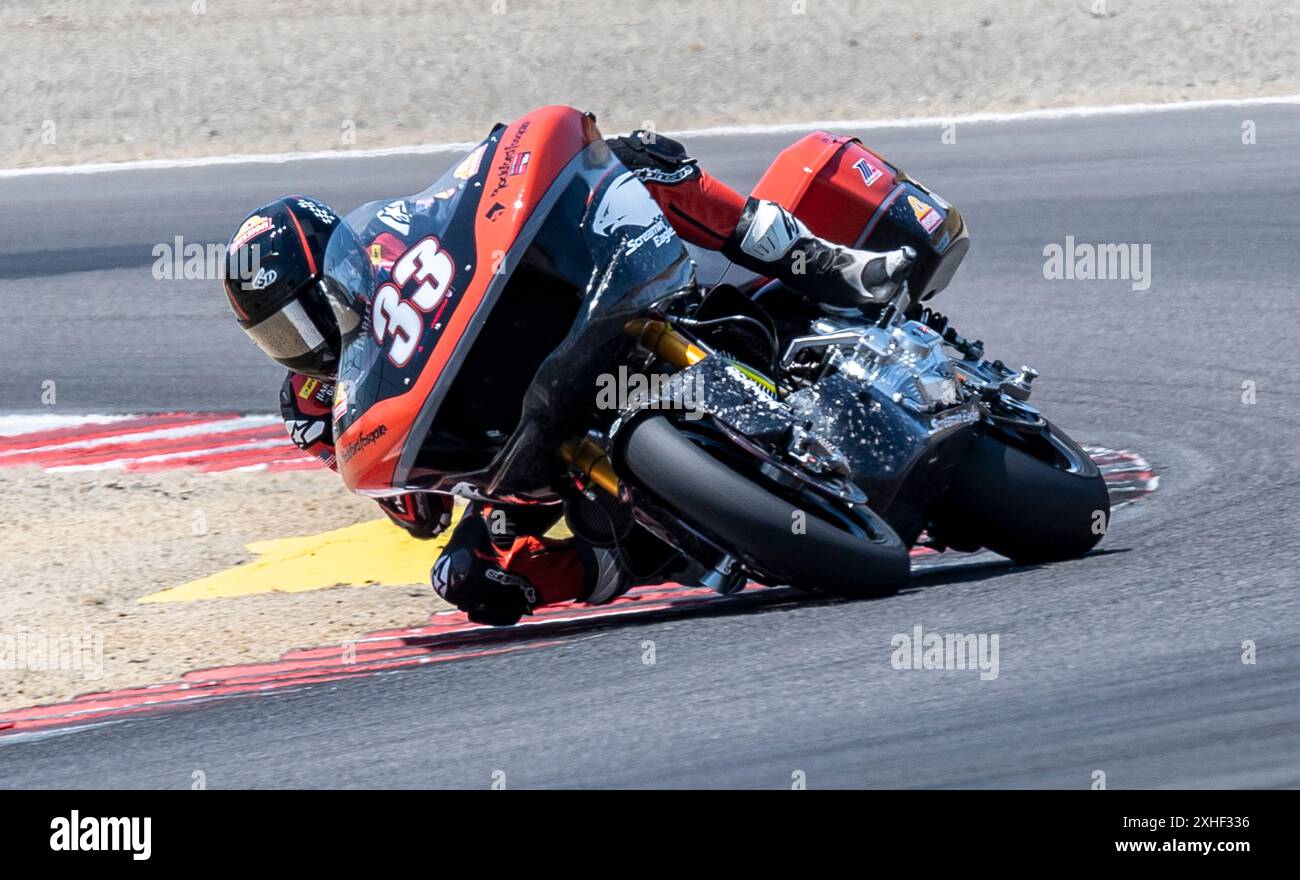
1129	477
206	442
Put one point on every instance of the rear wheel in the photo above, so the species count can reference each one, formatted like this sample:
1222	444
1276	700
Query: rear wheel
808	542
1032	497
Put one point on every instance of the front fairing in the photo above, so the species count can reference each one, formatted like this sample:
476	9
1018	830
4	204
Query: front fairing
359	260
606	236
592	225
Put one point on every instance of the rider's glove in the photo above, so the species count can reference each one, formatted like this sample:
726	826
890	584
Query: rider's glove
305	407
469	576
772	241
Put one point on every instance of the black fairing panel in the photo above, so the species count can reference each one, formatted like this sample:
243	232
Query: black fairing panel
603	255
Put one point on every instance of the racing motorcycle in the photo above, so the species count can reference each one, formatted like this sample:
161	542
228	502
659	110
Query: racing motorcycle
543	339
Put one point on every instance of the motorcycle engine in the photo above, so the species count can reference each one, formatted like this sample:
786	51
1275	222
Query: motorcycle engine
905	361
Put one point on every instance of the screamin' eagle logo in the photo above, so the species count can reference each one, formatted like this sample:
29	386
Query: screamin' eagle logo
625	203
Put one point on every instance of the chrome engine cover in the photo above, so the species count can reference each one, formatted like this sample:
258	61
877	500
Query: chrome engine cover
903	362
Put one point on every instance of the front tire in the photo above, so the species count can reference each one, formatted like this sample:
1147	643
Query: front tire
1040	500
859	556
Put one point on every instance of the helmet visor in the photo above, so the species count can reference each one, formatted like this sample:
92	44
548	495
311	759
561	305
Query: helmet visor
291	337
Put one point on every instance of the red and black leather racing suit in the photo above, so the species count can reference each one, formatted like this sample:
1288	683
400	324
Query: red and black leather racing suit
497	565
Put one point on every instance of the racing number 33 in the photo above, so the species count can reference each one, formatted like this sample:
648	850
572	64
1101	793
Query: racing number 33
426	263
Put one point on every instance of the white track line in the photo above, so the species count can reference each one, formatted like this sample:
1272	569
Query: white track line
13	425
984	118
718	131
238	159
17	425
178	457
147	434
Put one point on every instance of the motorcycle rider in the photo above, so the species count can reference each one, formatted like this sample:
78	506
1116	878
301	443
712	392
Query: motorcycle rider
497	565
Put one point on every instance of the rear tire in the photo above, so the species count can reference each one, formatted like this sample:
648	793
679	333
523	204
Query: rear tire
858	557
1022	506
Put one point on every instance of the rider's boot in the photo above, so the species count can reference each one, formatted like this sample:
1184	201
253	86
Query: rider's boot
773	242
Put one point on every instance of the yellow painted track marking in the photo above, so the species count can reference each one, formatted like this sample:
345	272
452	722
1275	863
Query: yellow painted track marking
375	553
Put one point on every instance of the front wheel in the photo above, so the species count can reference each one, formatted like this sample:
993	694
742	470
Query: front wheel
1033	498
807	543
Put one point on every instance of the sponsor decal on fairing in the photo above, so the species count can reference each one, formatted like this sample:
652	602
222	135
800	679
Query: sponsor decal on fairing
870	173
926	215
395	216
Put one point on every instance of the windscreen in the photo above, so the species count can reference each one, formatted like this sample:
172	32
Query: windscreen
382	249
402	275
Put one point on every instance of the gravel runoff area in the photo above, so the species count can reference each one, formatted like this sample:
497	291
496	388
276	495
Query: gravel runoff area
107	80
78	550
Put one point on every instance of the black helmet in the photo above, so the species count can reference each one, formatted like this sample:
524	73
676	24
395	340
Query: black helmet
273	281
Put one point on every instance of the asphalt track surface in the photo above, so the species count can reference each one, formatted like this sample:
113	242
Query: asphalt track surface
1128	662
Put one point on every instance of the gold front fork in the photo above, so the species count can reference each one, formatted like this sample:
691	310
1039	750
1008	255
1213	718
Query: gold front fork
586	455
662	340
588	458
